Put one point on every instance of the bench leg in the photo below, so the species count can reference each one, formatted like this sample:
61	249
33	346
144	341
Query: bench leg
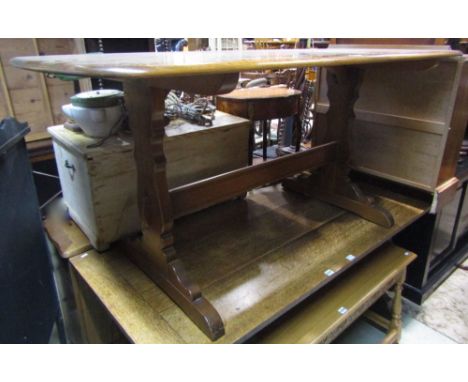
395	322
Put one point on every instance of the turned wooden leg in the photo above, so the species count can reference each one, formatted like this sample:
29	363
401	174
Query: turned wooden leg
332	183
395	323
154	252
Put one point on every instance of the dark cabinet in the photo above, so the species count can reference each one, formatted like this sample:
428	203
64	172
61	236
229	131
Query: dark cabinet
28	298
441	242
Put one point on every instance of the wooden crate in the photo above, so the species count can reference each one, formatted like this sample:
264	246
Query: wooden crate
99	184
32	97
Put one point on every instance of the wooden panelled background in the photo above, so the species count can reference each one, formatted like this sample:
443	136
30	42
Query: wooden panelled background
32	97
403	117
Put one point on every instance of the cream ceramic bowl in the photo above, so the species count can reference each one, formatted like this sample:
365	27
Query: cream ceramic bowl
95	122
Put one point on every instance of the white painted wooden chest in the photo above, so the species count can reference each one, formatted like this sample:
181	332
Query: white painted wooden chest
99	184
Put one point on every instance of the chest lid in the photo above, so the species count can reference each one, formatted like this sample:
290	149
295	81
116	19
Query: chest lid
80	143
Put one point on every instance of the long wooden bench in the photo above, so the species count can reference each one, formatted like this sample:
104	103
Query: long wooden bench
331	311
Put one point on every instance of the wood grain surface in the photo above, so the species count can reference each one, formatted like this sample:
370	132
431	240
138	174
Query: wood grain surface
261	93
254	259
67	237
321	318
173	64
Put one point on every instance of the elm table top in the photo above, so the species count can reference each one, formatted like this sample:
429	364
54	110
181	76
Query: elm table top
124	66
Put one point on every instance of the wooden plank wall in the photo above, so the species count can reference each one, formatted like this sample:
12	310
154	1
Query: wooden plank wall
31	97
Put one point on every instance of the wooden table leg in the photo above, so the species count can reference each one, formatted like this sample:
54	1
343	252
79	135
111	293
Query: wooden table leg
297	133
251	142
154	252
395	322
265	139
391	326
332	183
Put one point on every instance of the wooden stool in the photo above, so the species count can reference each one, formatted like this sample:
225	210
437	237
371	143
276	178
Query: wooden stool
262	104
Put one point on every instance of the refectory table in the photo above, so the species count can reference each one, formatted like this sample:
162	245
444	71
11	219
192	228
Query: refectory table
148	77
